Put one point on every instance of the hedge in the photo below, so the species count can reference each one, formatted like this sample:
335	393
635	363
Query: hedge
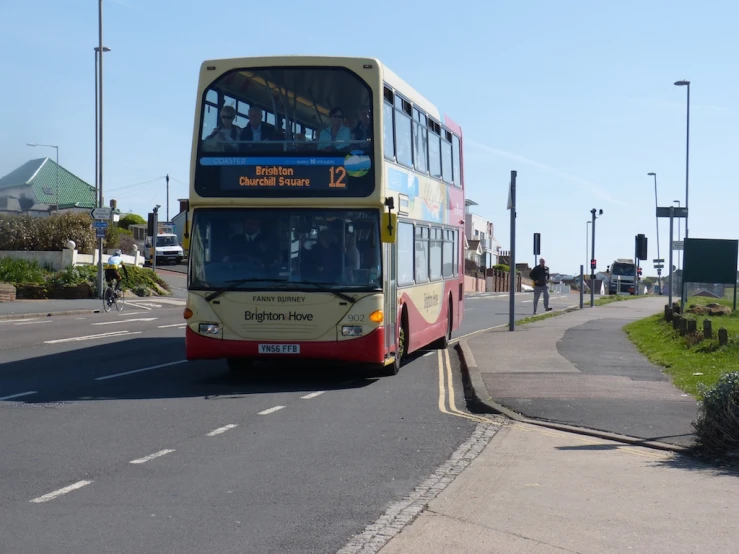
50	234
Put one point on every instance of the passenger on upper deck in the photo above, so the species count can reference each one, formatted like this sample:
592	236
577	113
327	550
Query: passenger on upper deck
336	137
224	136
255	131
363	129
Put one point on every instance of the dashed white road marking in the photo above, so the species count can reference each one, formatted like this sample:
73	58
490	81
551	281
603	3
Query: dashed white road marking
138	370
60	492
173	325
223	429
93	337
132	313
151	456
34	322
270	410
312	395
29	393
126	321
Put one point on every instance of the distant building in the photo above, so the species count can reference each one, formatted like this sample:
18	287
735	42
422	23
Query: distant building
37	188
482	247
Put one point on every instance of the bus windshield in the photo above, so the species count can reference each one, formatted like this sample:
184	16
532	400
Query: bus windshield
331	247
286	130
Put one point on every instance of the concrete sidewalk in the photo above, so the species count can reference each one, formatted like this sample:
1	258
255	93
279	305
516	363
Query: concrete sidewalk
581	369
535	490
22	309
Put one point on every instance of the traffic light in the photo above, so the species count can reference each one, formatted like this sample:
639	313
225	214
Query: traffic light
638	270
150	225
641	247
593	264
537	244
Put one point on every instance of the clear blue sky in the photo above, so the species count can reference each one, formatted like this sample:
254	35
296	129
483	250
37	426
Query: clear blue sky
578	97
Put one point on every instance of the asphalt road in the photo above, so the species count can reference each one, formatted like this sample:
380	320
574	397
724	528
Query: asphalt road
486	310
111	443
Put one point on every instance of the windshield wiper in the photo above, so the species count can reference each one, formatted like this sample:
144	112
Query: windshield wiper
322	286
236	283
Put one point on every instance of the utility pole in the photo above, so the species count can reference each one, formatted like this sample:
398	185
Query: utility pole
168	220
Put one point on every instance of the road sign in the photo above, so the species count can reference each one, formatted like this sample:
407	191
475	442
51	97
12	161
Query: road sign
100	233
676	212
657	261
101	213
658	266
678	245
100	224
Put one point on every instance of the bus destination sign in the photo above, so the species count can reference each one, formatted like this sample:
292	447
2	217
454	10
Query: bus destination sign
299	173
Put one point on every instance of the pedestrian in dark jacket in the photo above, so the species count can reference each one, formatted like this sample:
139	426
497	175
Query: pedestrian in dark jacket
540	276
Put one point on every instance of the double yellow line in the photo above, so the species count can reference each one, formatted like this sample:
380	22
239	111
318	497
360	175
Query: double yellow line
446	383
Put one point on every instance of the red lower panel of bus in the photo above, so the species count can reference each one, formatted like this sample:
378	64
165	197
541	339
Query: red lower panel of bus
367	349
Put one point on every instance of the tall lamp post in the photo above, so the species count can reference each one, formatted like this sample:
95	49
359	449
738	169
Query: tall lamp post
97	136
686	84
587	241
592	259
57	169
99	51
679	227
656	205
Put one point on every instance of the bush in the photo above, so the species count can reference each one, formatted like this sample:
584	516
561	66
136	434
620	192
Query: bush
21	272
73	276
130	219
29	233
502	267
114	238
717	427
143	277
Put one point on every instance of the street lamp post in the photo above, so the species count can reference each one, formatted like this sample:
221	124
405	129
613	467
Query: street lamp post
100	49
679	226
97	143
656	205
687	168
57	169
592	259
587	241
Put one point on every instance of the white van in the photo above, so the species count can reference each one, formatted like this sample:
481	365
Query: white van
167	246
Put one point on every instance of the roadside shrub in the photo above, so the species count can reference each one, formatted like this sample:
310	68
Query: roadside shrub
140	290
143	277
502	267
73	276
25	232
717	427
114	237
21	272
130	219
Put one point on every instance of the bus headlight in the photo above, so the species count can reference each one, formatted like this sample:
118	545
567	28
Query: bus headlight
351	330
209	329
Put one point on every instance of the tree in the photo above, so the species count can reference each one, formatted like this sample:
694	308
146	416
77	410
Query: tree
130	219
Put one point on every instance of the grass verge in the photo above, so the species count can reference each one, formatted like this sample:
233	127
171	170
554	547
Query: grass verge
609	299
690	360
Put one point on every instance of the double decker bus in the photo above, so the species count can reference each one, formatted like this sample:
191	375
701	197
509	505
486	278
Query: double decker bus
326	214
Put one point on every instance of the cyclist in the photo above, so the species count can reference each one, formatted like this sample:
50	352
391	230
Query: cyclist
115	262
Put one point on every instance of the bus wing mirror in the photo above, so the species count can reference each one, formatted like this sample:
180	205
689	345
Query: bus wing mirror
389	227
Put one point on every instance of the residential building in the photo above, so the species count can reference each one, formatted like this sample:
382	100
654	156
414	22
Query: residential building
39	188
482	248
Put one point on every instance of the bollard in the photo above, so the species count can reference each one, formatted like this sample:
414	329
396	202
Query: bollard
692	326
723	337
676	322
668	313
707	329
683	326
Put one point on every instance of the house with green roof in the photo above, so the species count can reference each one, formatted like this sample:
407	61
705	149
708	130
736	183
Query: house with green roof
39	187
